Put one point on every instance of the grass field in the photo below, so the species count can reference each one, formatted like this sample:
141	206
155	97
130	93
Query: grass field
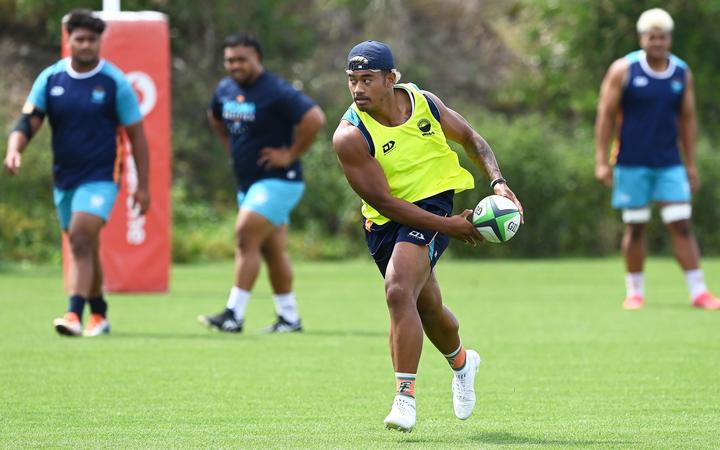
563	364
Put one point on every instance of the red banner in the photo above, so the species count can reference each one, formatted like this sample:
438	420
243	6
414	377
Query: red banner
135	250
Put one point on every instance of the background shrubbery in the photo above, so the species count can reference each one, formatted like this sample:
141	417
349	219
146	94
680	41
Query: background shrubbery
524	72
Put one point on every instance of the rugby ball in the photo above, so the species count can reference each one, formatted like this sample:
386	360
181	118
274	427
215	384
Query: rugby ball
496	218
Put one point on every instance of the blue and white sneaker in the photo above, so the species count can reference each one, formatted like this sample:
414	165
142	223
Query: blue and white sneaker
283	326
225	322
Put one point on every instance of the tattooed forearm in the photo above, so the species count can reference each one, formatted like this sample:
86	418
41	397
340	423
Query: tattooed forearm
482	156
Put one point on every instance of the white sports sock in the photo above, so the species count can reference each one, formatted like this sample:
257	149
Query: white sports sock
286	307
451	357
635	284
238	301
696	282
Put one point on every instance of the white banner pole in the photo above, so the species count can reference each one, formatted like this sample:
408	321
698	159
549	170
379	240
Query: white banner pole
111	6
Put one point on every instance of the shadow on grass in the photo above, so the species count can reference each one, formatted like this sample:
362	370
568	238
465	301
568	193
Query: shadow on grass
505	438
680	305
245	335
342	333
210	335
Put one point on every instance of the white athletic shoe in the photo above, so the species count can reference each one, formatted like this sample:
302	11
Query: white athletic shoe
402	414
463	386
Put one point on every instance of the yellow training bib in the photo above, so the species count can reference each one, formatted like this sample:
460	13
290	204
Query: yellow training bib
415	156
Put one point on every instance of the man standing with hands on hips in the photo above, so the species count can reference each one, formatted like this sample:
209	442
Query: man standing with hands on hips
266	125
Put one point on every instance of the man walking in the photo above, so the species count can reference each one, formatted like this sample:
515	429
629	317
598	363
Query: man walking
86	99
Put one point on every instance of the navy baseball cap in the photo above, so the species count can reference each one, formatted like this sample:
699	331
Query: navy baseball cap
370	55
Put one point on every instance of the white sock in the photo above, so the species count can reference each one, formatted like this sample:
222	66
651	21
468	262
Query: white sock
696	282
238	301
451	357
285	306
635	284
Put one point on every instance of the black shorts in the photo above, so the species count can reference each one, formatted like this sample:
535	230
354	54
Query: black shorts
381	239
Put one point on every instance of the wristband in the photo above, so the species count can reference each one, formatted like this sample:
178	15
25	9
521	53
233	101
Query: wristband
497	181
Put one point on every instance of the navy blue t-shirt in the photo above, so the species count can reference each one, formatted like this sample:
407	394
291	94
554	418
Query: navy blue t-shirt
258	115
84	110
651	104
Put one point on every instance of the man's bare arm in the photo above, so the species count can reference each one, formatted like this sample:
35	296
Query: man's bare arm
689	131
608	107
27	126
141	155
219	128
305	132
457	129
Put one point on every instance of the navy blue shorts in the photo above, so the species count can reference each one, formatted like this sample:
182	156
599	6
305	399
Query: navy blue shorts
381	239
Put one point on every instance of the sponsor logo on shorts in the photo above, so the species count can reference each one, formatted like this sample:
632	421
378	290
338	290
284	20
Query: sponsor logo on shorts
417	235
96	201
260	197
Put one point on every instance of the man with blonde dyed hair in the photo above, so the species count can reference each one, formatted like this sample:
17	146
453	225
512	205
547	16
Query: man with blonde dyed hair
655	19
649	93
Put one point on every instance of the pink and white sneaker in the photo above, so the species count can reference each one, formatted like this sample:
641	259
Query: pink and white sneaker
706	301
68	325
633	302
97	326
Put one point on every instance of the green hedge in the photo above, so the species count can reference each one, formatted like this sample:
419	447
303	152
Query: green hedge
567	212
549	168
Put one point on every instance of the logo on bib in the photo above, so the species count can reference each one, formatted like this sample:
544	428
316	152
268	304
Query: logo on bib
424	125
388	147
